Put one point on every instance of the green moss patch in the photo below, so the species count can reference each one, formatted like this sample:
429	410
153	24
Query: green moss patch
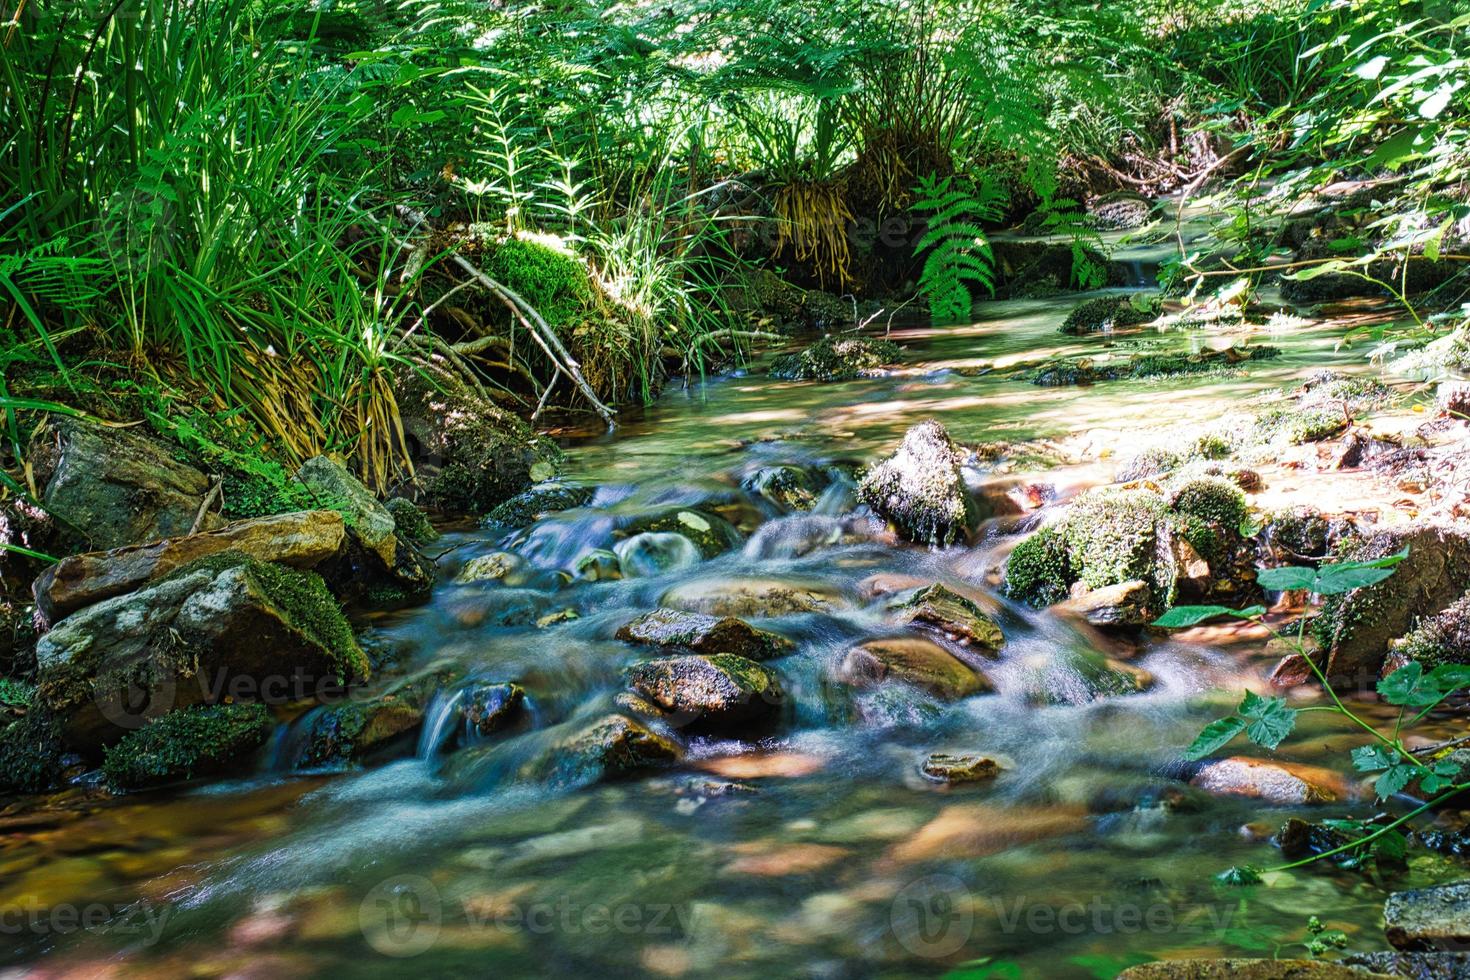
197	741
836	359
1038	570
31	754
555	282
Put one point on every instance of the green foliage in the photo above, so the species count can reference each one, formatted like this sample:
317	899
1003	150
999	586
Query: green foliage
548	276
958	252
31	754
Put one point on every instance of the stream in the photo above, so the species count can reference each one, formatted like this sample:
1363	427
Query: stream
817	851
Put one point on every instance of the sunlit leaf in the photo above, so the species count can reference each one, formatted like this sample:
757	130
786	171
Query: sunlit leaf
1213	737
1181	616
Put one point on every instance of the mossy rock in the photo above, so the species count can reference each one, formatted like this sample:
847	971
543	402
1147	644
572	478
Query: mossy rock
1113	536
705	634
1107	313
349	733
920	489
198	741
836	359
32	754
1294	426
536	502
1083	370
609	747
786	486
711	535
598	565
1039	570
951	614
547	275
721	692
1443	638
411	523
1216	507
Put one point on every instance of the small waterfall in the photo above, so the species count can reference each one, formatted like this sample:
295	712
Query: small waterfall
439	720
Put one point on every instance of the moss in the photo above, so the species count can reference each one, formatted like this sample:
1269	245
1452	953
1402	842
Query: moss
1112	537
1212	498
1295	426
1443	638
1357	394
1038	571
303	599
15	694
1302	533
1107	313
31	754
194	741
410	522
836	359
550	278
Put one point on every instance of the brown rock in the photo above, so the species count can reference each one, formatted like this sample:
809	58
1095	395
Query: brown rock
753	598
1124	604
976	830
954	769
912	660
953	615
301	540
1275	782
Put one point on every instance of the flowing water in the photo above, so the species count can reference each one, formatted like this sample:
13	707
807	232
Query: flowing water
817	851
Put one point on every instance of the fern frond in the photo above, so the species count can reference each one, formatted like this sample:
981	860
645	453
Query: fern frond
958	249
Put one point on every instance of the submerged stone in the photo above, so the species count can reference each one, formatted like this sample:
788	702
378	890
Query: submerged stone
713	693
609	747
598	565
712	535
1282	783
705	634
912	660
655	553
751	598
532	504
952	615
787	487
920	489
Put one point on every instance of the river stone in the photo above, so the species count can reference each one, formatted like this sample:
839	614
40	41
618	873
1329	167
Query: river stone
953	615
301	540
608	747
493	708
955	769
468	454
656	553
920	490
912	660
1414	966
974	830
704	634
334	487
751	598
787	487
1282	783
836	359
116	487
498	566
349	732
224	626
530	505
1435	918
1358	627
1124	604
708	693
1248	969
598	565
712	535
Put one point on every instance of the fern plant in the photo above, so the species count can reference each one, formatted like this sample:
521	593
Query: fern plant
959	253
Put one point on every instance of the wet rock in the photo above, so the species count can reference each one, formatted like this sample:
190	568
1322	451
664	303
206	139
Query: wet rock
787	487
498	566
1124	604
751	598
713	693
1435	918
468	455
973	830
1282	783
920	489
952	615
836	359
198	741
608	747
1443	638
223	626
116	487
656	553
529	506
1038	570
956	769
1356	628
1247	969
1079	675
351	732
912	660
704	634
301	540
1291	670
711	535
411	523
377	565
1414	966
598	565
1299	535
1120	211
493	708
1089	369
1108	313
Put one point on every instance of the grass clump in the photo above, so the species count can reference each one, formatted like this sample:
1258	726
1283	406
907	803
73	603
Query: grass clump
195	741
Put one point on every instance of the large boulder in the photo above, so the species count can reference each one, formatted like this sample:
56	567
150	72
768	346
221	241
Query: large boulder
224	627
301	540
378	566
714	693
920	489
704	634
468	455
116	487
921	663
1356	628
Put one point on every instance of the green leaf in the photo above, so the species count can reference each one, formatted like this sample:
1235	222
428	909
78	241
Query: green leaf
1391	845
1270	721
1181	616
1408	686
1371	758
1286	579
1394	780
1448	678
1213	737
1239	875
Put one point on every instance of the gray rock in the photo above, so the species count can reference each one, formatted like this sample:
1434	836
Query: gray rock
1248	969
1435	918
715	693
1414	966
705	634
920	490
